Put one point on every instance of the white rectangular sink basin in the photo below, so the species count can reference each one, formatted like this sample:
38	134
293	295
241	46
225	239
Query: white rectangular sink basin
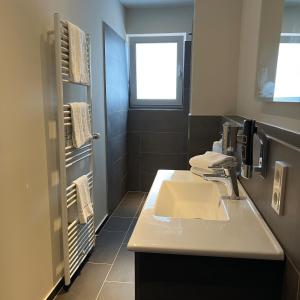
183	215
191	200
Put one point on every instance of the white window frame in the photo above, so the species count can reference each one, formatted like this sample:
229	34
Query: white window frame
178	38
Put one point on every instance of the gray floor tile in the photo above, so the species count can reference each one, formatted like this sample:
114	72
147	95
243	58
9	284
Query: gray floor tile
123	267
117	224
129	233
107	246
129	205
117	291
87	284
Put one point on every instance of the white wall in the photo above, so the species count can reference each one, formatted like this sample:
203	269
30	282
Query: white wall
278	114
159	20
216	41
30	226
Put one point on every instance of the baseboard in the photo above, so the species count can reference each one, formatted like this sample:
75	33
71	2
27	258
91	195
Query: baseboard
54	292
101	224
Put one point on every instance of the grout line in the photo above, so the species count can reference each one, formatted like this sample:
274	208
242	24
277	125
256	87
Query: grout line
94	263
138	209
113	262
125	282
115	216
116	230
298	292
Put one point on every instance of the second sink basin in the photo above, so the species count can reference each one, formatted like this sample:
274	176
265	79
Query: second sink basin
191	200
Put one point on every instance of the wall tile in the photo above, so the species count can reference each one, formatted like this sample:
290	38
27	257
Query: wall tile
134	176
164	143
153	162
134	142
147	180
116	98
203	131
117	123
290	282
117	146
152	120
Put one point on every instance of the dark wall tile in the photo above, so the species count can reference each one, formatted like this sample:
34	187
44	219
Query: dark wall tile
152	120
117	123
116	98
134	176
134	142
203	131
290	282
147	180
157	139
117	146
163	143
152	162
119	167
116	190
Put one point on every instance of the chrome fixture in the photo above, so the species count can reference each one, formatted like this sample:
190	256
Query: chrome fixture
249	131
226	170
230	138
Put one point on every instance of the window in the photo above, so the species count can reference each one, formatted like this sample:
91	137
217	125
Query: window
156	67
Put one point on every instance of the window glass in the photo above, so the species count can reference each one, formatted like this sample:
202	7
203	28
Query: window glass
156	71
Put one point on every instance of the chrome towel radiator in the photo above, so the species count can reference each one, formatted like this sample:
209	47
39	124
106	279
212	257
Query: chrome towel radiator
78	239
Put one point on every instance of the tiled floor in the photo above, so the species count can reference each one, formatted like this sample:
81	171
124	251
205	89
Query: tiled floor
109	273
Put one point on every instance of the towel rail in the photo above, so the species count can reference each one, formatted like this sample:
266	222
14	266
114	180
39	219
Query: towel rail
78	160
78	239
68	148
79	251
77	155
73	270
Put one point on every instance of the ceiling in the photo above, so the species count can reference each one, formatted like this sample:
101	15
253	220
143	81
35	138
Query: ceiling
156	3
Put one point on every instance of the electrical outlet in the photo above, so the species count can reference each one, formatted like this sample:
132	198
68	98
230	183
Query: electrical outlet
279	186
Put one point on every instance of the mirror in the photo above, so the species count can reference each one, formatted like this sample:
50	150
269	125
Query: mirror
278	75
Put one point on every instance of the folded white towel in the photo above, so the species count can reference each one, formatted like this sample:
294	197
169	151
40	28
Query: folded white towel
78	55
84	202
81	125
200	172
210	160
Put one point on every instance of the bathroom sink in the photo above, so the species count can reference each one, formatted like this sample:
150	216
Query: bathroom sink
191	200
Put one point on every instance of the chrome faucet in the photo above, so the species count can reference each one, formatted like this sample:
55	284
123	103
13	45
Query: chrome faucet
226	170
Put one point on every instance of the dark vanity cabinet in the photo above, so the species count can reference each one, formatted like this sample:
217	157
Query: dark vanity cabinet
183	277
